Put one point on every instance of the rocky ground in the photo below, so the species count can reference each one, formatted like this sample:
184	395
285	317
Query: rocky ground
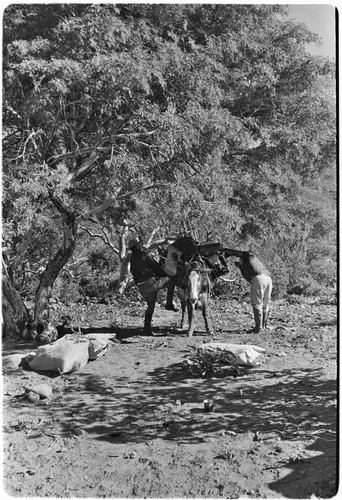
131	424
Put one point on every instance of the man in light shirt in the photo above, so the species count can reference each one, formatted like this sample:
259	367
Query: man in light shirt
254	271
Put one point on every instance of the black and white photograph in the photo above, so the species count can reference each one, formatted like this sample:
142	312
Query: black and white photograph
170	250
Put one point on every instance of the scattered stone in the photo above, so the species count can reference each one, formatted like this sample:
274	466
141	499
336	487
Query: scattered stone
11	362
224	456
77	431
33	397
115	434
44	390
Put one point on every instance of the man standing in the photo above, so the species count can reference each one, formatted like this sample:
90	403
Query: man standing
149	277
254	271
172	260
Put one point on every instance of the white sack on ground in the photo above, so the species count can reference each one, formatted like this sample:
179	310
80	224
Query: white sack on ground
64	356
245	354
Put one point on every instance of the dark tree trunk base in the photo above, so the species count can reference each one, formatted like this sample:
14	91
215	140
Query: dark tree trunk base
16	317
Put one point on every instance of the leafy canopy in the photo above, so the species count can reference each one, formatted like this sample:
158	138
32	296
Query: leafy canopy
220	107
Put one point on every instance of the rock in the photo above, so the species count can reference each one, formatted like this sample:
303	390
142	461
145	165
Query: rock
11	362
43	390
33	397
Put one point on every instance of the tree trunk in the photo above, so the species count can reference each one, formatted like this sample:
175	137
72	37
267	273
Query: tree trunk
44	290
14	312
124	276
54	267
41	325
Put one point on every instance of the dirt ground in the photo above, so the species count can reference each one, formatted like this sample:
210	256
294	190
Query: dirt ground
131	424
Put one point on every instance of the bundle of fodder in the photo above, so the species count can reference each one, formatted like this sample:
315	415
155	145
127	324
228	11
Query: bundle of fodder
212	357
244	354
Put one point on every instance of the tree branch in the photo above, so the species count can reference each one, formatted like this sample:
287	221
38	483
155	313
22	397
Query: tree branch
168	240
106	204
149	241
88	164
61	206
24	246
104	238
110	201
134	191
72	154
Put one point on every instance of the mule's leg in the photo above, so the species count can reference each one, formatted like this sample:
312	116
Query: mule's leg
191	314
183	322
194	286
169	299
182	298
206	314
151	302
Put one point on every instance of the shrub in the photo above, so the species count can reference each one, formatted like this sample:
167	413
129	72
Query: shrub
324	271
306	286
66	289
232	289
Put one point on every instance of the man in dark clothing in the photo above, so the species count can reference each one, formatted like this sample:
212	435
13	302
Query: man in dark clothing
254	271
149	277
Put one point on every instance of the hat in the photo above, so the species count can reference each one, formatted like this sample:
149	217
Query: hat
132	243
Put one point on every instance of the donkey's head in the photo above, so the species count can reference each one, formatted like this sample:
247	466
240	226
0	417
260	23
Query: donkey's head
198	280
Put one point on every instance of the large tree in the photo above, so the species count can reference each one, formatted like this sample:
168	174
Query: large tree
198	117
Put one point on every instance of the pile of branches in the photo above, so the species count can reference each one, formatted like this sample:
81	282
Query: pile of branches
206	363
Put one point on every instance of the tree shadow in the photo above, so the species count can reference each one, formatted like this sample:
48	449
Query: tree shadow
332	322
18	347
128	332
167	403
298	396
319	471
158	331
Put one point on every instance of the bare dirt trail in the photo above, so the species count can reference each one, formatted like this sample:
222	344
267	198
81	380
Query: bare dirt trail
131	423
